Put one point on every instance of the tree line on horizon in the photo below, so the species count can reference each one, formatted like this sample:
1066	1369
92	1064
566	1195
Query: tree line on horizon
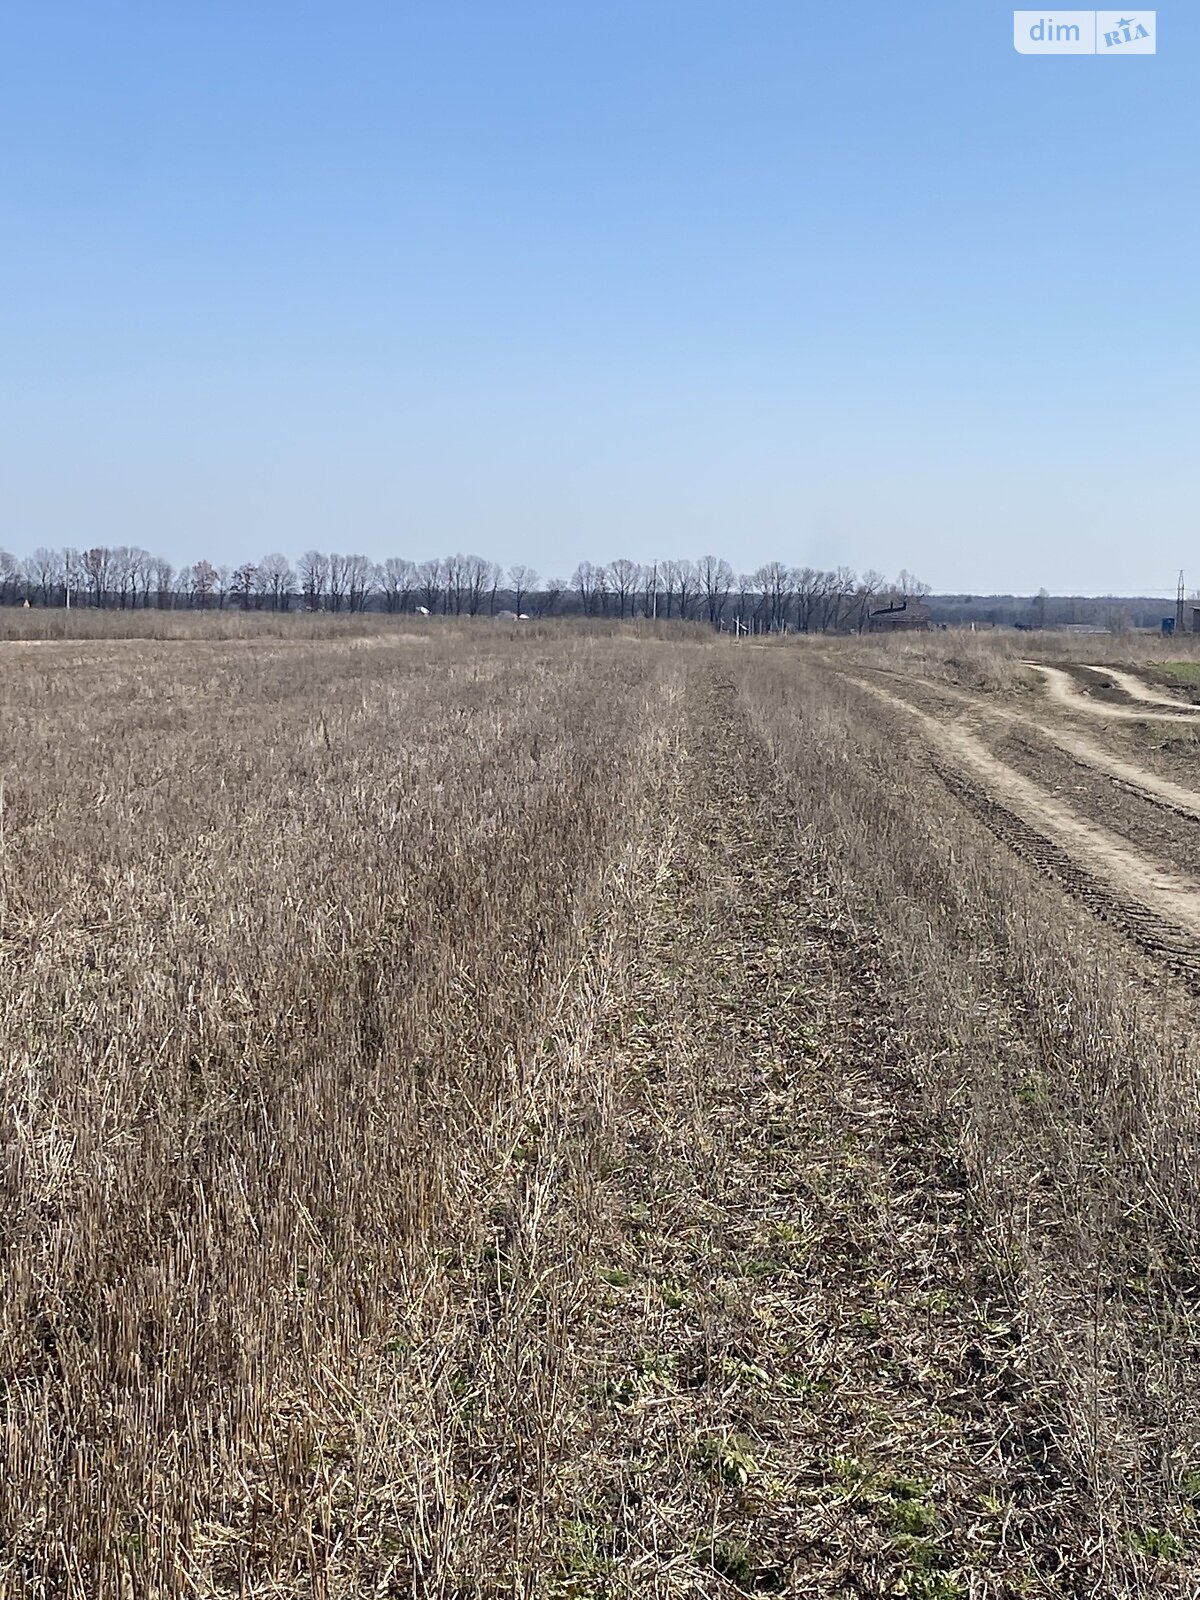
773	596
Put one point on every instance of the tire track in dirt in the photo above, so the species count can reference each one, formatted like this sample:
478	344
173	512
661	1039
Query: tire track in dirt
1130	684
1173	797
1155	828
1062	688
1155	905
1127	775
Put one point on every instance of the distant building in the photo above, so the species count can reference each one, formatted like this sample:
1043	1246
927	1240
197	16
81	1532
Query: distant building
901	616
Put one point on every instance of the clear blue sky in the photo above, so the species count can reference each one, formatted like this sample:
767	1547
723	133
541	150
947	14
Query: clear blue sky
853	283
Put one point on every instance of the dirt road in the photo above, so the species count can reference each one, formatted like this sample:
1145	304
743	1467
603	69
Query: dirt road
1144	891
1149	786
1133	686
1066	691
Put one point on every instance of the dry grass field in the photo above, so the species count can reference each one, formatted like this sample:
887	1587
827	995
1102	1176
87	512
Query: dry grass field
582	1113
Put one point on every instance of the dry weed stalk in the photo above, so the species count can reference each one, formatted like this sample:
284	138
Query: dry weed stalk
565	1113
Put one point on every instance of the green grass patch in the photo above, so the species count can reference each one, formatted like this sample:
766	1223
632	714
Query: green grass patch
1157	1542
728	1457
738	1565
1182	671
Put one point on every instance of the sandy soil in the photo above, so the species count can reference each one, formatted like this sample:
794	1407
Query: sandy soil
1062	687
1151	786
1156	901
1133	686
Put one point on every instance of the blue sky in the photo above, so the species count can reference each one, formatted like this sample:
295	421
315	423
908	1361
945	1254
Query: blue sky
855	284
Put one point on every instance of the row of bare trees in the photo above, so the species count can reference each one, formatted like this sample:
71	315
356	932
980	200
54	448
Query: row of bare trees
771	598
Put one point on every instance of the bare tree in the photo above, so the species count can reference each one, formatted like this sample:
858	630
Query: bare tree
245	579
549	596
807	583
839	585
716	579
203	581
43	573
866	591
623	579
361	578
477	575
688	582
397	578
585	581
143	574
455	580
670	578
95	570
121	573
72	577
910	587
745	588
648	581
771	598
762	589
164	574
429	582
775	585
11	577
338	580
277	581
521	580
314	576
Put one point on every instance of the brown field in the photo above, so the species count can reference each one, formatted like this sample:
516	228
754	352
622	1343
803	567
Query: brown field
587	1112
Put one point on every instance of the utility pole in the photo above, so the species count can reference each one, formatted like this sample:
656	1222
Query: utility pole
1179	604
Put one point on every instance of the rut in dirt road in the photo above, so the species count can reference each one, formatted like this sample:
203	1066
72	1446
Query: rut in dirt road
1149	786
1064	689
1133	686
1156	905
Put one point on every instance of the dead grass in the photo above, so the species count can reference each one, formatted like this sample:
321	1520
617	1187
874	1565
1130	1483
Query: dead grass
1072	1073
298	947
44	625
41	624
564	1114
990	661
